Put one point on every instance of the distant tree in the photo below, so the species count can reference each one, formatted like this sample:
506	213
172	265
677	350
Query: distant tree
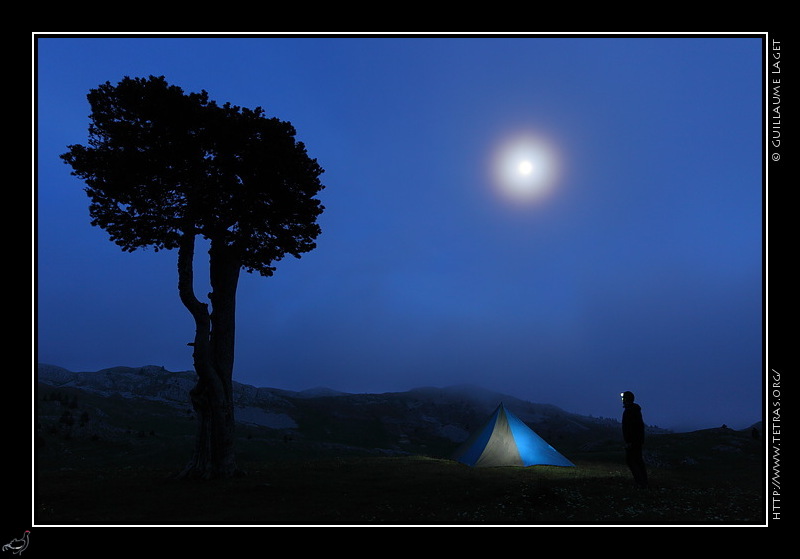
163	167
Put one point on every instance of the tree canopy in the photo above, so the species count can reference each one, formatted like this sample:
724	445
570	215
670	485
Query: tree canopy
161	164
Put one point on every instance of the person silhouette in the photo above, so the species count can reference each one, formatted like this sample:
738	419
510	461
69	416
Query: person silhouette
633	434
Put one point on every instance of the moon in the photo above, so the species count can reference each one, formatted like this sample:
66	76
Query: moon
525	168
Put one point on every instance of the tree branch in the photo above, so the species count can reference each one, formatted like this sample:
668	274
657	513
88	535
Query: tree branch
198	309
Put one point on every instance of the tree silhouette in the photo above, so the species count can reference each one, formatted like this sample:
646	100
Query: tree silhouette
163	167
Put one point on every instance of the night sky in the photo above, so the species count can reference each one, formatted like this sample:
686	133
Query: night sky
627	256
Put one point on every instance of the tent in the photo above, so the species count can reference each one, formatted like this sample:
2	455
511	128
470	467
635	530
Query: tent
505	440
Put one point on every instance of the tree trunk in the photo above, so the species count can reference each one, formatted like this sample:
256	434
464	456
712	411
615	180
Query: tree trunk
212	397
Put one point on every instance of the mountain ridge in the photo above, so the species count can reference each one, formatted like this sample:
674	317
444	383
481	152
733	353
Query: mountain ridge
420	418
156	382
123	404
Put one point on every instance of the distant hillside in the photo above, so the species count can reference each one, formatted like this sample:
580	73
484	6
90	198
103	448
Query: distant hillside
424	420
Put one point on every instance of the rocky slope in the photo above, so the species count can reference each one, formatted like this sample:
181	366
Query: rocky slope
421	418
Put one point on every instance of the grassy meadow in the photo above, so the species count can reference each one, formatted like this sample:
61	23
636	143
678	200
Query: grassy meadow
122	474
392	491
85	488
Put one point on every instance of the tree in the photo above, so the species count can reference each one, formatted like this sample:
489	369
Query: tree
163	167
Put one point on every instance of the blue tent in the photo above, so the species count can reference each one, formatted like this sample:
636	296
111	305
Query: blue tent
506	441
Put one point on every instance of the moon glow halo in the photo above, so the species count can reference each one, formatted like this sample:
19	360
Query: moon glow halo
525	168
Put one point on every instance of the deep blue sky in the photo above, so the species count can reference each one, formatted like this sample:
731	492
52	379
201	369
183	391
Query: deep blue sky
640	269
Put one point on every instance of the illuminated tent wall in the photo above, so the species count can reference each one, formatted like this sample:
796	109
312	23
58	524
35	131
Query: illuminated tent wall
506	441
